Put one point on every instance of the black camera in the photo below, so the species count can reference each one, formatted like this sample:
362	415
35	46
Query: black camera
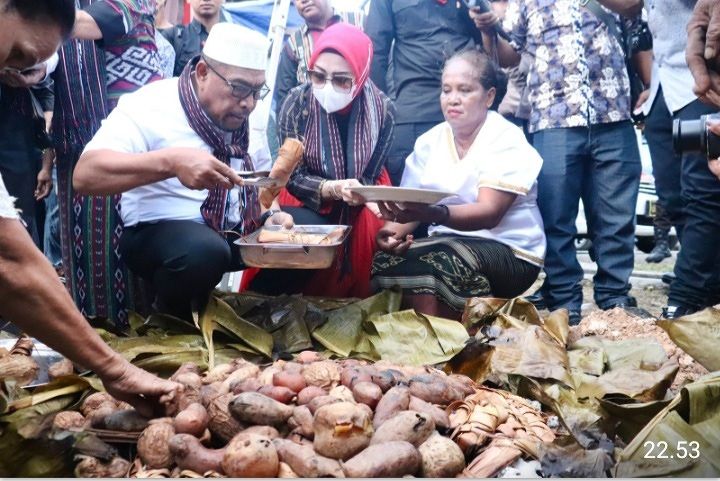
694	136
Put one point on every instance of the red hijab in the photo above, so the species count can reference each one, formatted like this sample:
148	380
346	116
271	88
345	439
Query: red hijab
352	44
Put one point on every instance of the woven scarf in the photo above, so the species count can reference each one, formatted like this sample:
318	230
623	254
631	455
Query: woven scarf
213	209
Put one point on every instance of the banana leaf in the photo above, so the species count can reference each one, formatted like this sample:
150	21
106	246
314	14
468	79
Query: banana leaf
168	363
61	386
686	432
343	332
410	338
218	312
567	459
630	415
698	335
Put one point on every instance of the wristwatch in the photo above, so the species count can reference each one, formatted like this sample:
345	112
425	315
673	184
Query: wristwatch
267	214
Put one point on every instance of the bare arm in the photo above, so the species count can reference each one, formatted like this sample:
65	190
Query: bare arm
497	47
626	8
643	61
36	301
86	28
106	172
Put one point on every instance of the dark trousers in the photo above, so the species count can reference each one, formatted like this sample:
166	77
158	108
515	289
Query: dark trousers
697	269
183	260
601	165
403	144
666	163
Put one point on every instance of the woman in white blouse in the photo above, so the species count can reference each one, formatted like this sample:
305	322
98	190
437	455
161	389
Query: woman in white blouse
488	239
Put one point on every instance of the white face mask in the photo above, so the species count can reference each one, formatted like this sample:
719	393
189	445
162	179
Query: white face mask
332	100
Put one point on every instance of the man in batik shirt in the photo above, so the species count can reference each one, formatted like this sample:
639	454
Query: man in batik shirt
580	117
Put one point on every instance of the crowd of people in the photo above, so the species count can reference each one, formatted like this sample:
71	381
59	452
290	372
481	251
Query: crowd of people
520	110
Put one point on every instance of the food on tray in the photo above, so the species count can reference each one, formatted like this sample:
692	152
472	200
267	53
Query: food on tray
293	236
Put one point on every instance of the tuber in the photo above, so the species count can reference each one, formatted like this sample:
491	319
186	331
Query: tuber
396	399
304	461
152	444
250	456
189	453
387	460
367	393
342	429
441	457
410	426
310	393
256	408
193	420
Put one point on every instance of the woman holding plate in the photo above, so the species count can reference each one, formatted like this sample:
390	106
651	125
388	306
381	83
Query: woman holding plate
488	239
346	125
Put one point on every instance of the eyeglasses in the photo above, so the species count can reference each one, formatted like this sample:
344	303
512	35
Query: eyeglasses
241	91
341	83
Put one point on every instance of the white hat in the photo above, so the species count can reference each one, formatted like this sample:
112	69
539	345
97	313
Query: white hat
238	46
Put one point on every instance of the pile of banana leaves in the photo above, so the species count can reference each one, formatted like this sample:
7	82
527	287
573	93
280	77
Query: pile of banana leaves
609	396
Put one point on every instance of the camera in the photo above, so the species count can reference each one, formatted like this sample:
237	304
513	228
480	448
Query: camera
694	136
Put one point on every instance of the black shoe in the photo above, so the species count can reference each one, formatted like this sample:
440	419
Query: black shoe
632	309
537	300
660	252
675	312
668	278
574	318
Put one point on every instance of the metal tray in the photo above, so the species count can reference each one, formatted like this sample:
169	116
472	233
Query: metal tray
291	256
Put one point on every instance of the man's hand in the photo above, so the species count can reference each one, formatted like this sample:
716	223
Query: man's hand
642	98
340	190
281	218
197	169
44	184
144	391
702	50
388	242
25	78
485	22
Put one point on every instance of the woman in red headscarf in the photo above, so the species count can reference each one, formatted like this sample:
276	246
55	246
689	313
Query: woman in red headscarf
346	124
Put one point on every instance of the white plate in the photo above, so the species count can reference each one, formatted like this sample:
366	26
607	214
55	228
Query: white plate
260	181
381	193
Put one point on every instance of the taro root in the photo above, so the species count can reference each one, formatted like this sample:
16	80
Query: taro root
250	456
94	401
256	408
193	420
210	392
152	444
18	365
310	393
441	457
222	424
68	420
125	420
410	426
342	430
60	369
322	374
90	467
189	453
343	393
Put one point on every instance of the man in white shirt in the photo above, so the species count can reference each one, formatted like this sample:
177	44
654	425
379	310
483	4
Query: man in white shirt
173	149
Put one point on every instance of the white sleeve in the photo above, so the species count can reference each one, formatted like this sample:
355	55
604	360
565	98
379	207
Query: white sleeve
124	130
513	169
415	164
7	203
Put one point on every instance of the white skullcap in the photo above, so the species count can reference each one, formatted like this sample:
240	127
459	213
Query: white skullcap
238	46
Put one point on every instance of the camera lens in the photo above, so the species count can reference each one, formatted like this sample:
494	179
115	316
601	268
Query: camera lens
688	135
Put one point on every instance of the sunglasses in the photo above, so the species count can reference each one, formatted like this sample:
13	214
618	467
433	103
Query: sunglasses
241	91
341	83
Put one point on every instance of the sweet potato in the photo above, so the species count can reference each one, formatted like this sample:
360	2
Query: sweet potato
246	385
186	367
256	408
152	444
321	401
293	381
192	383
301	422
434	390
342	429
193	420
466	384
367	393
307	357
438	415
387	379
222	424
387	460
286	472
246	370
410	426
309	393
189	453
266	376
395	400
126	420
267	431
304	461
250	456
278	393
218	374
293	367
441	457
352	375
